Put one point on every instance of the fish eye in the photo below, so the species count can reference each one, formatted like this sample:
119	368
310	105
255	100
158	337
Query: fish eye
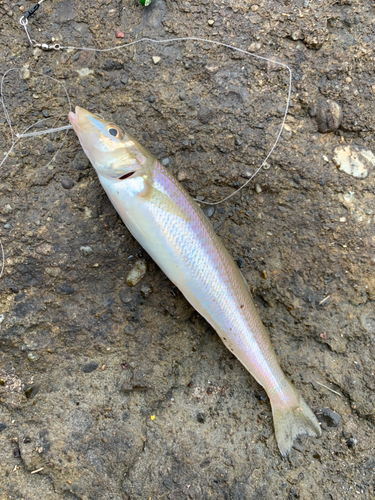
114	131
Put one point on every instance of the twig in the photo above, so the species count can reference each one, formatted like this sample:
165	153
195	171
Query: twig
35	471
329	388
324	300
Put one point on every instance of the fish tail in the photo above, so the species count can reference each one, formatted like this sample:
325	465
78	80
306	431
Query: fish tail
291	421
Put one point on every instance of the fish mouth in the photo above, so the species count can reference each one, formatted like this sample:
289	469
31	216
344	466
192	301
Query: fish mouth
73	117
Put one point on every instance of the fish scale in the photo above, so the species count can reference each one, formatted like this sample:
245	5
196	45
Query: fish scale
172	228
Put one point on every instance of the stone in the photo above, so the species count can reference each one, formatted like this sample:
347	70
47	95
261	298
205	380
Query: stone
86	251
81	162
111	65
201	418
328	115
328	418
156	59
66	289
137	273
368	321
354	160
24	73
67	183
287	132
182	176
90	367
146	291
209	211
166	162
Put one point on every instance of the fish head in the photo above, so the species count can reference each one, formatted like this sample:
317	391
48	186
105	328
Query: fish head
111	151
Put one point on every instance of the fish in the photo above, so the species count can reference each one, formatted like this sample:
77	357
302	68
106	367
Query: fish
175	232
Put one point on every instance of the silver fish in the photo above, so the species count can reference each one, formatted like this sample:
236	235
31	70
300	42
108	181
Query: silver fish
171	227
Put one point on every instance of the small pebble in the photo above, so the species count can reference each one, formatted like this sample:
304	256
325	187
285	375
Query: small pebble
254	47
119	34
209	211
182	95
151	98
156	59
81	162
201	418
66	289
50	148
342	219
240	262
368	321
7	226
354	160
211	22
182	176
86	251
351	442
238	142
33	357
90	367
3	427
31	391
125	295
166	162
124	79
258	189
328	115
146	291
254	8
137	273
67	183
24	73
287	132
45	113
328	418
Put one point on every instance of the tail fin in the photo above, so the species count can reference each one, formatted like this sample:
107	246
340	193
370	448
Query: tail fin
292	421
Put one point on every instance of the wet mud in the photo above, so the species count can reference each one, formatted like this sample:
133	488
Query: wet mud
111	385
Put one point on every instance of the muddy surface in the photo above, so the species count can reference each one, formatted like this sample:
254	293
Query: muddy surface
115	392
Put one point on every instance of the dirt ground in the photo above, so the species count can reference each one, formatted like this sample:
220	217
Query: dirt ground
115	392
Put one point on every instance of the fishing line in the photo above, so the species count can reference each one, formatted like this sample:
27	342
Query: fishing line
56	47
24	22
16	137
